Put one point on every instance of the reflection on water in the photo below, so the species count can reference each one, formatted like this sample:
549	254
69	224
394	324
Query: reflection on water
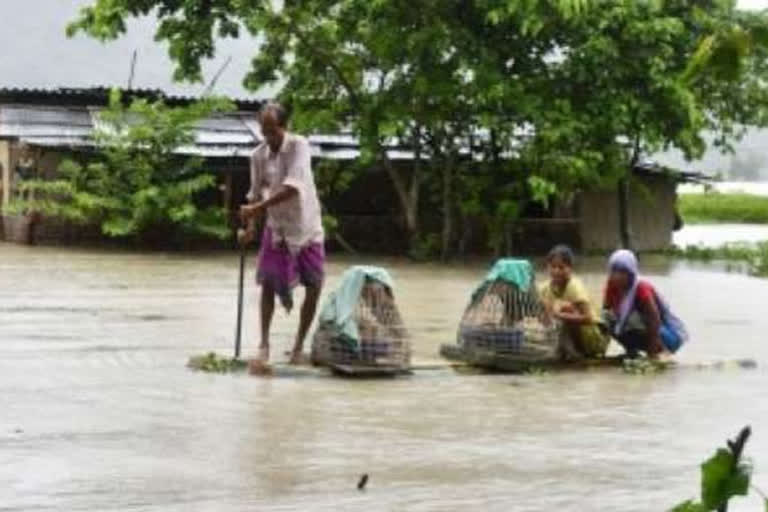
99	412
758	188
716	235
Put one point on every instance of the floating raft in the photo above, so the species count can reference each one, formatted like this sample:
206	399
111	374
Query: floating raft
457	362
212	363
512	363
346	370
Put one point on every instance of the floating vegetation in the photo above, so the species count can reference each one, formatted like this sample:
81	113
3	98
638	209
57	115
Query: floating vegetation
537	371
643	366
212	363
753	256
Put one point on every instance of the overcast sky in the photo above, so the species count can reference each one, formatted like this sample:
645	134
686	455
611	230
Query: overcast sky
753	4
35	53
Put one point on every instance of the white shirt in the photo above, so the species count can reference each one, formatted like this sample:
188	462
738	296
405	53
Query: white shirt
297	221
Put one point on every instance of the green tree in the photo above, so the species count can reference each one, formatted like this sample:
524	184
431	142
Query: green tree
427	75
137	184
555	95
639	77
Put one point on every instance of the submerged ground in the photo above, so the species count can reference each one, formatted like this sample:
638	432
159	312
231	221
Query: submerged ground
99	412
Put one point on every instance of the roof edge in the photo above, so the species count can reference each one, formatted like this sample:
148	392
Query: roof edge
99	95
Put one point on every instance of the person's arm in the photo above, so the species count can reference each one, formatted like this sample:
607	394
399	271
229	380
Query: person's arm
652	319
578	314
250	211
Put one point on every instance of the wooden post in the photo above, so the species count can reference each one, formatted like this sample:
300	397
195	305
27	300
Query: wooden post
227	200
5	166
239	321
625	232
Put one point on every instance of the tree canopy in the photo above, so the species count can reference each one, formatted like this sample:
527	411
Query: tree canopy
500	101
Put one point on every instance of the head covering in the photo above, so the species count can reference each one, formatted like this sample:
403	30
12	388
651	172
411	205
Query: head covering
625	261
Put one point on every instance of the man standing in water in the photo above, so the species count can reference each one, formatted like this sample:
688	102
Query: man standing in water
292	251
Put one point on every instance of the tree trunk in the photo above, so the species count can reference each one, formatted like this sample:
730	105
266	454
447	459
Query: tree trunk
408	192
625	228
447	238
412	205
625	232
466	232
408	196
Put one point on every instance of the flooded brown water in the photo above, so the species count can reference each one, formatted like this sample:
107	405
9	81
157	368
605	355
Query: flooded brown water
99	412
717	235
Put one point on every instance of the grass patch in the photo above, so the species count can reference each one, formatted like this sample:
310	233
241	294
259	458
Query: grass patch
719	207
753	256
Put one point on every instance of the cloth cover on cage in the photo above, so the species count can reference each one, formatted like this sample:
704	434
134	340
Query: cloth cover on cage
341	305
510	270
507	319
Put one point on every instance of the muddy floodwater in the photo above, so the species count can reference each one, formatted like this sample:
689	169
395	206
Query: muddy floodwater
99	413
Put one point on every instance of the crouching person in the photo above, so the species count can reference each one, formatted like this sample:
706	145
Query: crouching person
567	300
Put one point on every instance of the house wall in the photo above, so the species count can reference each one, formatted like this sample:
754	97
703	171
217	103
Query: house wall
48	161
651	216
31	229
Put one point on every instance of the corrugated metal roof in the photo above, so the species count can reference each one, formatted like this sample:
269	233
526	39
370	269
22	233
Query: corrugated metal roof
44	115
212	137
222	136
99	95
225	123
56	141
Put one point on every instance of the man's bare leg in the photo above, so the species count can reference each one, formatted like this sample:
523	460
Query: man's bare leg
267	312
308	308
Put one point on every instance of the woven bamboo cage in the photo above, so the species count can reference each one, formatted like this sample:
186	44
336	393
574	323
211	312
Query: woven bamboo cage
383	340
505	320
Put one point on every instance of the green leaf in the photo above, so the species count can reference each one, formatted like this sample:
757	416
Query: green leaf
720	480
542	189
689	506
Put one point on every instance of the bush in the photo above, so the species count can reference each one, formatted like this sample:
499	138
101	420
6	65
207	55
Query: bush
136	185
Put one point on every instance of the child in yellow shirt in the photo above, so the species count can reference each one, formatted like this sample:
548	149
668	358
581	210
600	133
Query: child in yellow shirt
567	300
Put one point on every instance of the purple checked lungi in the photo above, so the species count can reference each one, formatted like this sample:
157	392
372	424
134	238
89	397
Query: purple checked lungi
281	269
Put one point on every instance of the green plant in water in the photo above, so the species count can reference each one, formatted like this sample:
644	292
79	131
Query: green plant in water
536	371
213	363
725	475
753	256
643	366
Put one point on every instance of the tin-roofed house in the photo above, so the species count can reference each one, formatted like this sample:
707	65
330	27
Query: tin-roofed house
40	128
46	126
